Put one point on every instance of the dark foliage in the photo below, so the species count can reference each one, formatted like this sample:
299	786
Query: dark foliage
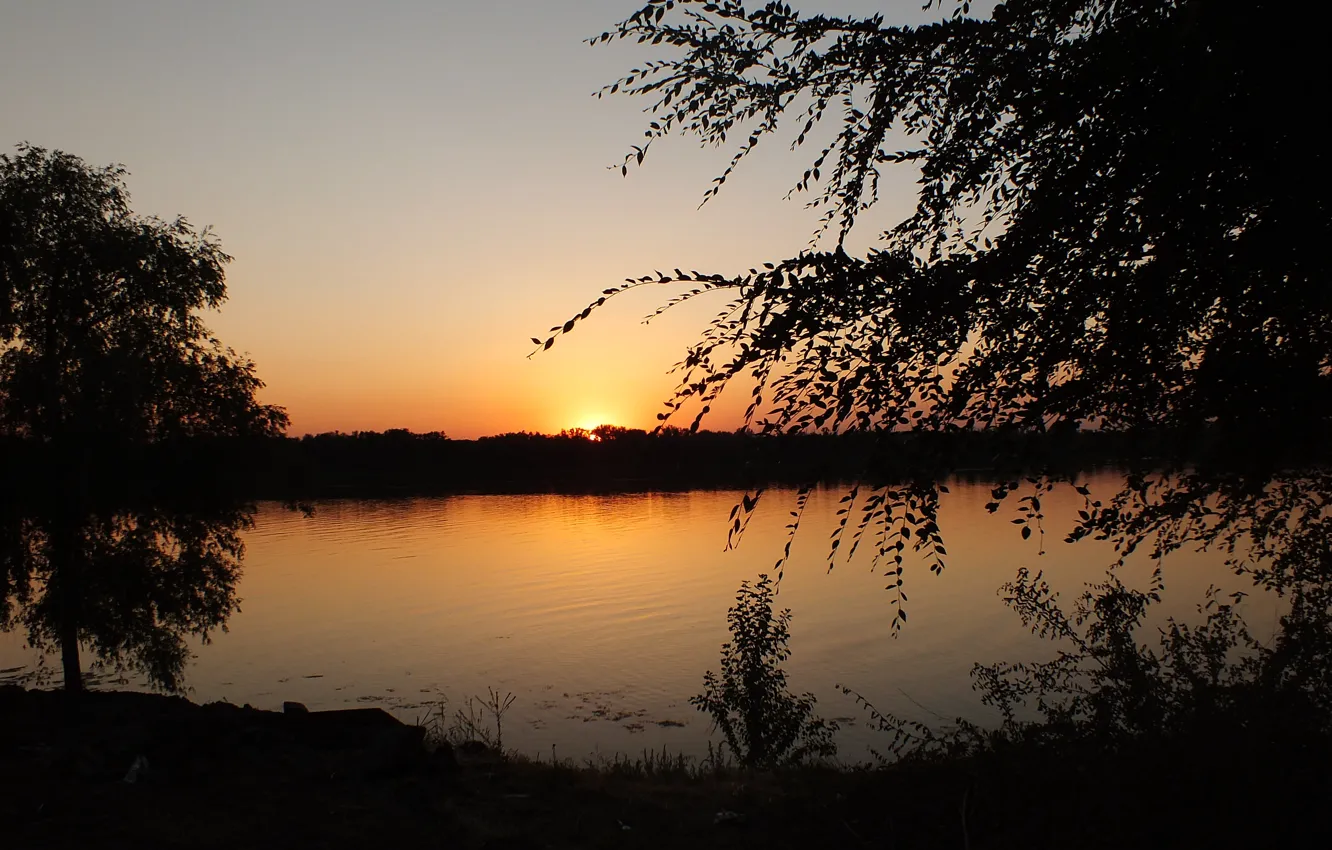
1210	680
1106	231
1204	689
1119	224
764	723
400	463
110	381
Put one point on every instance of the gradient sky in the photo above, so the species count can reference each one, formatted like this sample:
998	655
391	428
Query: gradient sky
411	189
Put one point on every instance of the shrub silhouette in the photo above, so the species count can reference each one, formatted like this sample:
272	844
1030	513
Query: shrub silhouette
764	723
1110	687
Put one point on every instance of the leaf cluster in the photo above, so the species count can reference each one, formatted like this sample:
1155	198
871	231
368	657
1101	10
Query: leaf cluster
100	332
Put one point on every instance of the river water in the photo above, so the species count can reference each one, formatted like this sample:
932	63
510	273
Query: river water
600	613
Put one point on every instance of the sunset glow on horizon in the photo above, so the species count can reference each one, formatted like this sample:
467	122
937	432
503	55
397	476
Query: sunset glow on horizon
413	190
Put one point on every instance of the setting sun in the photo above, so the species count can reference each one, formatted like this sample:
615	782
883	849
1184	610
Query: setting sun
591	423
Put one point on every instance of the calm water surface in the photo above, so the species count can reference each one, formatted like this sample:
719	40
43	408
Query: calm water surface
601	613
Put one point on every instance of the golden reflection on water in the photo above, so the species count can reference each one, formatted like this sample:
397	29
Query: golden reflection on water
601	612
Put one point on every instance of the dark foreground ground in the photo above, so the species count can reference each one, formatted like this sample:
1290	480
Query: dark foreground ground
219	776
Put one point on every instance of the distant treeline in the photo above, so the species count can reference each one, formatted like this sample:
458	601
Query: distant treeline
628	459
400	462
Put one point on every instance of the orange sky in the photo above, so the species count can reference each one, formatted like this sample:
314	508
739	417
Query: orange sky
412	189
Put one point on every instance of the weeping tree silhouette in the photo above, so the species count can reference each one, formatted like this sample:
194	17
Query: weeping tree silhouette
1104	236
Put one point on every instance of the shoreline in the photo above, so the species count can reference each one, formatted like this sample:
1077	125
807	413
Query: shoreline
222	776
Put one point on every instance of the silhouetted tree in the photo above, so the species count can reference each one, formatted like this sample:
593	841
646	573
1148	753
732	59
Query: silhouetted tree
104	358
764	723
1120	223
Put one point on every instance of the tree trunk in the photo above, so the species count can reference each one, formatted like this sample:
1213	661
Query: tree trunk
66	583
69	656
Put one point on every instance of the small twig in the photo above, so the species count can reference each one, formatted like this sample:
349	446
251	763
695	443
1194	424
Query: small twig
921	707
854	834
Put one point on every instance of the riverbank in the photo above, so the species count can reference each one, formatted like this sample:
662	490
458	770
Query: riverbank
142	770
